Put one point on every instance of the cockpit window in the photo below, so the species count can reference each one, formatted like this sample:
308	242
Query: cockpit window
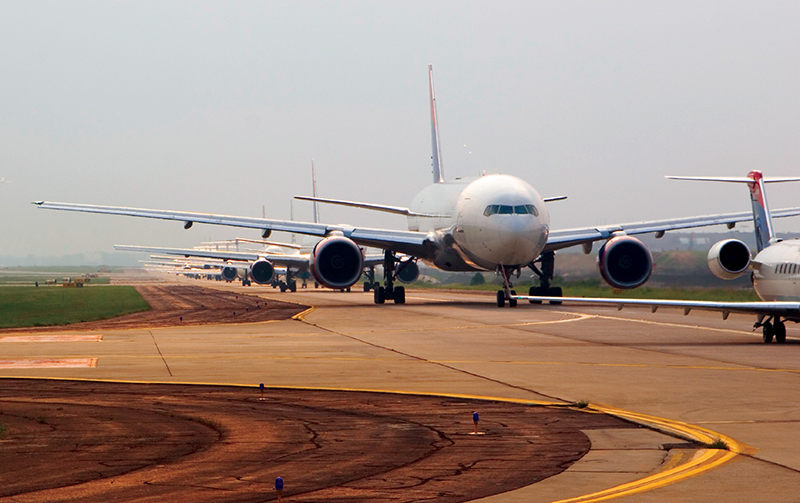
521	209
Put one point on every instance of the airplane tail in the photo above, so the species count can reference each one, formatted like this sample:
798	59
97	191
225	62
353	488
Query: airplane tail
314	192
762	219
436	157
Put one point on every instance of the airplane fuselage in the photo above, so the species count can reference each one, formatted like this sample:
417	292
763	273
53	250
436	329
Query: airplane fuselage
481	223
776	275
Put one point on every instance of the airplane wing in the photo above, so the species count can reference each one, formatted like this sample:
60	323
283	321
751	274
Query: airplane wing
409	242
783	309
397	210
559	239
300	261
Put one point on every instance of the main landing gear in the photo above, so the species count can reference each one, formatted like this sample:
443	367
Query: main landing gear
388	292
773	327
545	274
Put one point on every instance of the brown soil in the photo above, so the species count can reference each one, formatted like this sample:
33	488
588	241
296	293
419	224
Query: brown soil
83	441
173	305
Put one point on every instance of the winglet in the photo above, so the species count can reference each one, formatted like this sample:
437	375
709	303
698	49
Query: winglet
436	157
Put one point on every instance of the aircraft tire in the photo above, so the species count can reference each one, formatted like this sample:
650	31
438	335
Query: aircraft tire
534	291
556	292
399	295
367	286
780	332
379	295
501	298
293	286
766	330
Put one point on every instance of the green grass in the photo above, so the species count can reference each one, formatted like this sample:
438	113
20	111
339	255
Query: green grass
36	307
718	444
593	288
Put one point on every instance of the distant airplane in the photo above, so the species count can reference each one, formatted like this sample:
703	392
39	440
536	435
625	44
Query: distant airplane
260	265
775	270
490	223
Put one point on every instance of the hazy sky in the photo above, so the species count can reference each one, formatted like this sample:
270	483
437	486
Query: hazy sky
220	107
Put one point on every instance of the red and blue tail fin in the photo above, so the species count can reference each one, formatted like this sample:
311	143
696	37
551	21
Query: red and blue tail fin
762	219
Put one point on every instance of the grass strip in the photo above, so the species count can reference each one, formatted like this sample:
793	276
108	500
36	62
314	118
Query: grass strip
37	307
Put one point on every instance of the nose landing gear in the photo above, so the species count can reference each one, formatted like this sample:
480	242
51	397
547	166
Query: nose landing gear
506	294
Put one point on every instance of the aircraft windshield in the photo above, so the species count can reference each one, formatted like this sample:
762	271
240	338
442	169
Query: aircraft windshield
503	209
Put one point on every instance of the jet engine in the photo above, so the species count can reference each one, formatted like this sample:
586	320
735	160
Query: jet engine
729	258
407	271
262	271
624	262
228	273
336	262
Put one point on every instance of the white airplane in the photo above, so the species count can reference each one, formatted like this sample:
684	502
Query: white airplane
775	270
491	223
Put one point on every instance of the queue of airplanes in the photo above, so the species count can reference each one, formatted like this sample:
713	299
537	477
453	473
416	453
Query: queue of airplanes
500	223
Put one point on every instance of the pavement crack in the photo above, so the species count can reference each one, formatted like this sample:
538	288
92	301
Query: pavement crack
440	364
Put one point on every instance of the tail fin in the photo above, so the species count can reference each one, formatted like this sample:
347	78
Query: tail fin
438	173
314	192
762	218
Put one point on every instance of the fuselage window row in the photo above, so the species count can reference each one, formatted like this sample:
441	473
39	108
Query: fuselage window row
504	209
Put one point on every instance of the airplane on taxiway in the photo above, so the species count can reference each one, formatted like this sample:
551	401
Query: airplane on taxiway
490	223
775	269
260	265
265	266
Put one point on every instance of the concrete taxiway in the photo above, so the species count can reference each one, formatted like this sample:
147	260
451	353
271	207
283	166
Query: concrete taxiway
696	370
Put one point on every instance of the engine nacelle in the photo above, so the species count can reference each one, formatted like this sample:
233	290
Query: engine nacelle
624	262
262	271
336	262
407	271
228	273
729	259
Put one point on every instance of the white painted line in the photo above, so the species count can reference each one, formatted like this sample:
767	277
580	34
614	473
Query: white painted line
48	363
52	338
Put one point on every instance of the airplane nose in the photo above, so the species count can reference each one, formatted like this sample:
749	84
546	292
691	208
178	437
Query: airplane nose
519	236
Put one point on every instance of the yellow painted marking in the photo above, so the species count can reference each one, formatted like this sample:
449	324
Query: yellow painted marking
41	363
301	316
707	460
675	459
52	338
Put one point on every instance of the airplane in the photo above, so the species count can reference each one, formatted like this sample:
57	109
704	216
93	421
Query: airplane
775	269
490	223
